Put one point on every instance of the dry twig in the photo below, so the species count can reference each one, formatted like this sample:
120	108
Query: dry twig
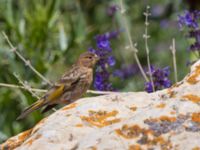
27	62
26	86
146	37
44	91
173	49
132	47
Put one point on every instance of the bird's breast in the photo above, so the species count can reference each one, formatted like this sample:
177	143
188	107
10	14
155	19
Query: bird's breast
87	76
81	86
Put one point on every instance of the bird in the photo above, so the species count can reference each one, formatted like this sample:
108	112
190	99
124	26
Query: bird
70	87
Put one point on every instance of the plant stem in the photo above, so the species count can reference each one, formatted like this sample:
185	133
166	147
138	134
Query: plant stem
21	87
27	62
146	37
44	91
26	86
173	49
132	47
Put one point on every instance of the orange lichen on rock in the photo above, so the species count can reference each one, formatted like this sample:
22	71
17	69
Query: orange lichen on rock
172	112
133	108
171	93
100	118
157	140
164	144
93	148
79	125
135	147
16	141
196	148
162	118
70	106
193	98
196	117
161	105
166	118
24	135
129	132
29	142
192	79
145	137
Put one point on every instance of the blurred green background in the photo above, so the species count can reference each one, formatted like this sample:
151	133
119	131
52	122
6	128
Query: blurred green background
52	34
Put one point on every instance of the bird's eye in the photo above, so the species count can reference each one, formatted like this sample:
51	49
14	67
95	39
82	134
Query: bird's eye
90	57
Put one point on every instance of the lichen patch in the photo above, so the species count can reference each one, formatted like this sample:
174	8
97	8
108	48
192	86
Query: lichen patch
196	117
167	118
93	148
101	118
79	125
70	106
165	124
164	144
193	98
171	93
12	143
133	108
143	137
192	79
24	135
30	141
196	148
129	132
173	112
161	105
135	147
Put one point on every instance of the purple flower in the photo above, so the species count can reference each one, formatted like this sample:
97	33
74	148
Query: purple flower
111	61
112	9
92	50
157	10
112	34
196	35
148	87
103	42
101	81
126	71
191	21
104	51
160	79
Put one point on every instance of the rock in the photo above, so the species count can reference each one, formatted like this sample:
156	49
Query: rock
166	119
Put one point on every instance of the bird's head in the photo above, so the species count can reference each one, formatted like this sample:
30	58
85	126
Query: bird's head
88	59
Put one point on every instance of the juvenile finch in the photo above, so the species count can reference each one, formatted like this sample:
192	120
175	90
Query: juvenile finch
72	85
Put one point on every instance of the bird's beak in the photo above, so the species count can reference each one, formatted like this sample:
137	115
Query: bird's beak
97	57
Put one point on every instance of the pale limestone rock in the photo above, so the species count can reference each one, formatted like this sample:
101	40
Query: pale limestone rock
167	119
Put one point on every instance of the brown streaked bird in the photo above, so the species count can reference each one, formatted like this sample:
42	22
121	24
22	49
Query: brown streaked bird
72	85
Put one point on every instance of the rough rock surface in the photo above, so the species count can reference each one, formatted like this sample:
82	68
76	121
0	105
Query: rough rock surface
167	119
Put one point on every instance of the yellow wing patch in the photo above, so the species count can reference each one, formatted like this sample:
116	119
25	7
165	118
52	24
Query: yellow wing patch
56	93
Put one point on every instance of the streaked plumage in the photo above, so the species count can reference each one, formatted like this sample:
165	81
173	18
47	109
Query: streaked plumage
72	85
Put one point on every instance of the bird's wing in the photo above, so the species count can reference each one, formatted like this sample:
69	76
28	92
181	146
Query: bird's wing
71	75
67	81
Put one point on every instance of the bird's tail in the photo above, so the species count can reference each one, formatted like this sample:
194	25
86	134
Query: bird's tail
31	108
